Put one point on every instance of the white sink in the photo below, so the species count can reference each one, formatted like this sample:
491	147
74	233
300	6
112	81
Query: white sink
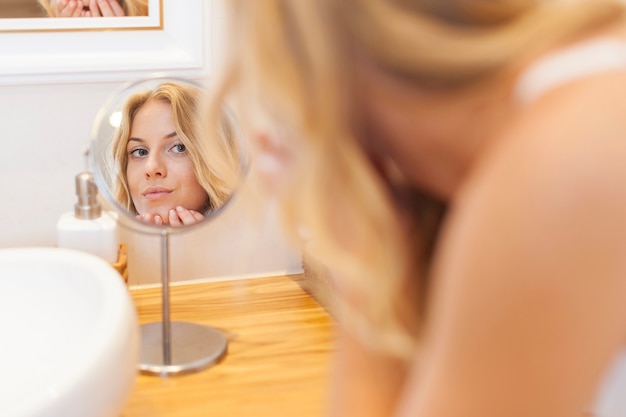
69	339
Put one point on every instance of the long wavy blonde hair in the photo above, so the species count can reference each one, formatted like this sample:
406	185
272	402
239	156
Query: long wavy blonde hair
131	7
214	153
289	63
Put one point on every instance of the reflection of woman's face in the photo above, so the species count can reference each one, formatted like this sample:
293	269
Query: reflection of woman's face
159	171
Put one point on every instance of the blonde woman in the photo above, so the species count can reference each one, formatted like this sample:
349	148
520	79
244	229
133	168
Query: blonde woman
458	166
168	171
94	8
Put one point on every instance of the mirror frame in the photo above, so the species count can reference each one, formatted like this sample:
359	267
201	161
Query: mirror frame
181	46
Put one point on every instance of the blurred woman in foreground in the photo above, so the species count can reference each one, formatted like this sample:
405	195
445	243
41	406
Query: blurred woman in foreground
458	168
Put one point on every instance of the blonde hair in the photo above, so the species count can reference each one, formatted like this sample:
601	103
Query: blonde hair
289	62
215	164
131	7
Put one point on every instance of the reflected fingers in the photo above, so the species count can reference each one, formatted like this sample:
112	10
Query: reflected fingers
94	9
174	219
110	8
184	216
150	218
179	216
118	10
68	8
78	11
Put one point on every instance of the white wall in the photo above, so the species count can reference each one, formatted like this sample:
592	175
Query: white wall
45	129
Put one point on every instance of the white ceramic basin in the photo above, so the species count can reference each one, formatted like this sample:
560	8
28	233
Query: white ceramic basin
68	335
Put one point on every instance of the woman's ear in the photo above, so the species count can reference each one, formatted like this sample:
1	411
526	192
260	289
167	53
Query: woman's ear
270	156
273	162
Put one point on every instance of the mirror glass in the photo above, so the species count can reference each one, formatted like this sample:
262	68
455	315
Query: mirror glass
159	161
20	9
26	15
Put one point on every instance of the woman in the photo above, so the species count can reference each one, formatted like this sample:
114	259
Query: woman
458	167
168	171
95	8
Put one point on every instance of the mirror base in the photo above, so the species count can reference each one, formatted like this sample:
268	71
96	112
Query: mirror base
194	347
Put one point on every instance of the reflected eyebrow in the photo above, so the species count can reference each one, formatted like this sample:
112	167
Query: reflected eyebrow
169	135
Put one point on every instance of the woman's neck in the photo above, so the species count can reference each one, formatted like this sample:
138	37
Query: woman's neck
434	137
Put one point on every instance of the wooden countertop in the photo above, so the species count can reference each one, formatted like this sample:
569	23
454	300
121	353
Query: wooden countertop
280	340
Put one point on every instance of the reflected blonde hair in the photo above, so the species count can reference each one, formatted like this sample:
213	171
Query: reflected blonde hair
131	7
213	153
289	63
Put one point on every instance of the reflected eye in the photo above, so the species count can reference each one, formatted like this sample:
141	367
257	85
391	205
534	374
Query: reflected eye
179	148
138	153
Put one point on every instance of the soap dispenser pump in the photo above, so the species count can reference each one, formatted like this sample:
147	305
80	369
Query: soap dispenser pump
87	228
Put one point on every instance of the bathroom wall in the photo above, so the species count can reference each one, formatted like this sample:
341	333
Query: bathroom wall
45	130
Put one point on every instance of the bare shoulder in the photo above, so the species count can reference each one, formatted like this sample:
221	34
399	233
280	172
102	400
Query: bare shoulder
550	199
529	277
560	172
567	152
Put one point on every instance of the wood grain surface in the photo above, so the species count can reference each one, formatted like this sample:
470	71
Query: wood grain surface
280	341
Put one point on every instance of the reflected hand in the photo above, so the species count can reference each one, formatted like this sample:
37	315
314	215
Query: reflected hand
105	8
176	217
182	216
89	8
150	218
70	8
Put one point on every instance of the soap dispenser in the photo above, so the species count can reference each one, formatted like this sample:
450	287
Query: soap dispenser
87	228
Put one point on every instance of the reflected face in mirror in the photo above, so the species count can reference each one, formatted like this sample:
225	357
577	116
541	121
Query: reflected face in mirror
161	177
94	8
159	161
167	169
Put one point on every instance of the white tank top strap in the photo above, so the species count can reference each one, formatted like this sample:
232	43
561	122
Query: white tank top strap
570	64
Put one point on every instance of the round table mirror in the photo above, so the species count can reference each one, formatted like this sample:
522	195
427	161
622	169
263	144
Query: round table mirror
165	168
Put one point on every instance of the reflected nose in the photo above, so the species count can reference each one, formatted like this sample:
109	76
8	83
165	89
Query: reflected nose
154	167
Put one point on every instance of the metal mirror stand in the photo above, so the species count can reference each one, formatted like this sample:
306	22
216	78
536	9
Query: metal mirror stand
167	347
176	348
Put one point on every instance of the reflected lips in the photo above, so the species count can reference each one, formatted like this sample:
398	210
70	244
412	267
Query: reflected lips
154	193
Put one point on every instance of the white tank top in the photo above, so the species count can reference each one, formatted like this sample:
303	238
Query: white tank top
584	59
570	64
